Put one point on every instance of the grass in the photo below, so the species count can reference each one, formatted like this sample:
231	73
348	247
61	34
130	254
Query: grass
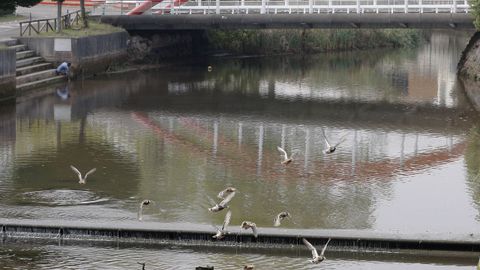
12	18
94	28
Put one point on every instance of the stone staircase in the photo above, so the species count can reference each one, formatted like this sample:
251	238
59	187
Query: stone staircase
32	70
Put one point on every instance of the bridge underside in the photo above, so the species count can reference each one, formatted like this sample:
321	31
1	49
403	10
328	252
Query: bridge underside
283	21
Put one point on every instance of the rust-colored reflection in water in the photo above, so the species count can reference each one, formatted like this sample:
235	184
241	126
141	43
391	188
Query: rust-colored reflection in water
177	136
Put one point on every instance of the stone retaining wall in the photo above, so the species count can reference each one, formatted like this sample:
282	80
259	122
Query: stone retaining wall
7	73
88	55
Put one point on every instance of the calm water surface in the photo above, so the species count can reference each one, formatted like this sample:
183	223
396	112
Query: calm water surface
409	162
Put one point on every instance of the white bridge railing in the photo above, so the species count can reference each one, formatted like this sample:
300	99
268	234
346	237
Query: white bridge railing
294	6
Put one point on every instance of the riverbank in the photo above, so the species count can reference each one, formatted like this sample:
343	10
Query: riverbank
292	41
469	70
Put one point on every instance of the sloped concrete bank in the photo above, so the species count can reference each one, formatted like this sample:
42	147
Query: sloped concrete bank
7	73
469	70
193	234
89	55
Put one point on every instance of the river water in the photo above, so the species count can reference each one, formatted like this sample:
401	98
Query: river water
408	162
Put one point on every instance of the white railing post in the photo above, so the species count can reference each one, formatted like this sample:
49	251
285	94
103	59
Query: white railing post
454	6
199	3
330	5
375	5
358	6
406	6
217	6
420	3
286	3
310	6
263	9
242	3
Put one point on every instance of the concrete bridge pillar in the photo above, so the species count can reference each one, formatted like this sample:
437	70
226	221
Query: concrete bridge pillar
263	9
310	6
217	6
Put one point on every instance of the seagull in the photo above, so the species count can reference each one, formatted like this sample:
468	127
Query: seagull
280	217
315	257
250	225
82	180
222	205
222	232
225	192
330	149
140	211
142	264
286	159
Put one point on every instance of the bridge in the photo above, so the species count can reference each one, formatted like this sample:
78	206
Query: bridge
271	14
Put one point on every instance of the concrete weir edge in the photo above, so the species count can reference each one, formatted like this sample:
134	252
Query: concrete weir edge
189	234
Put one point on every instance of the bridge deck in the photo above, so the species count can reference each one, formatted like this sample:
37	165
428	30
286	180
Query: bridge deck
272	21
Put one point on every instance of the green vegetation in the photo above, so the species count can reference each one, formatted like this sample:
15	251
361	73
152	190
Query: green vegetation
94	28
475	4
8	6
310	41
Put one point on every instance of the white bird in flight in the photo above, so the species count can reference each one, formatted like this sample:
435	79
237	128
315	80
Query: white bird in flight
331	148
221	205
225	192
286	160
140	210
82	180
281	216
315	257
223	231
250	225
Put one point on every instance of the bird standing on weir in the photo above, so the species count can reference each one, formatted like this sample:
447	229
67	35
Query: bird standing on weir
140	210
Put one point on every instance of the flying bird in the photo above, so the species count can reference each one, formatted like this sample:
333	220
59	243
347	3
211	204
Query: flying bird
225	192
222	205
82	180
286	160
315	257
250	225
223	231
140	210
281	216
331	148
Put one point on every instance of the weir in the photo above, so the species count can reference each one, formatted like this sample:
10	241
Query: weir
465	245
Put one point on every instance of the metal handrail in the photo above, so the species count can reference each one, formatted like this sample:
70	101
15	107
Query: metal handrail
50	24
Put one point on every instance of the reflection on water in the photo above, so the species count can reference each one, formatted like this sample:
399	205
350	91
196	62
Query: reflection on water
19	255
175	136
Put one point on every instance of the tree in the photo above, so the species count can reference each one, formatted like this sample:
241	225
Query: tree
82	12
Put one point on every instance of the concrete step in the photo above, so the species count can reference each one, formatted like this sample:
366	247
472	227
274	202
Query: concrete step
36	76
25	54
19	47
30	85
9	42
33	68
29	61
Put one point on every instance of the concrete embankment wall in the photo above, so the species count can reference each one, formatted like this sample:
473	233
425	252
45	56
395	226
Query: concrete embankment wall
7	73
189	234
88	55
